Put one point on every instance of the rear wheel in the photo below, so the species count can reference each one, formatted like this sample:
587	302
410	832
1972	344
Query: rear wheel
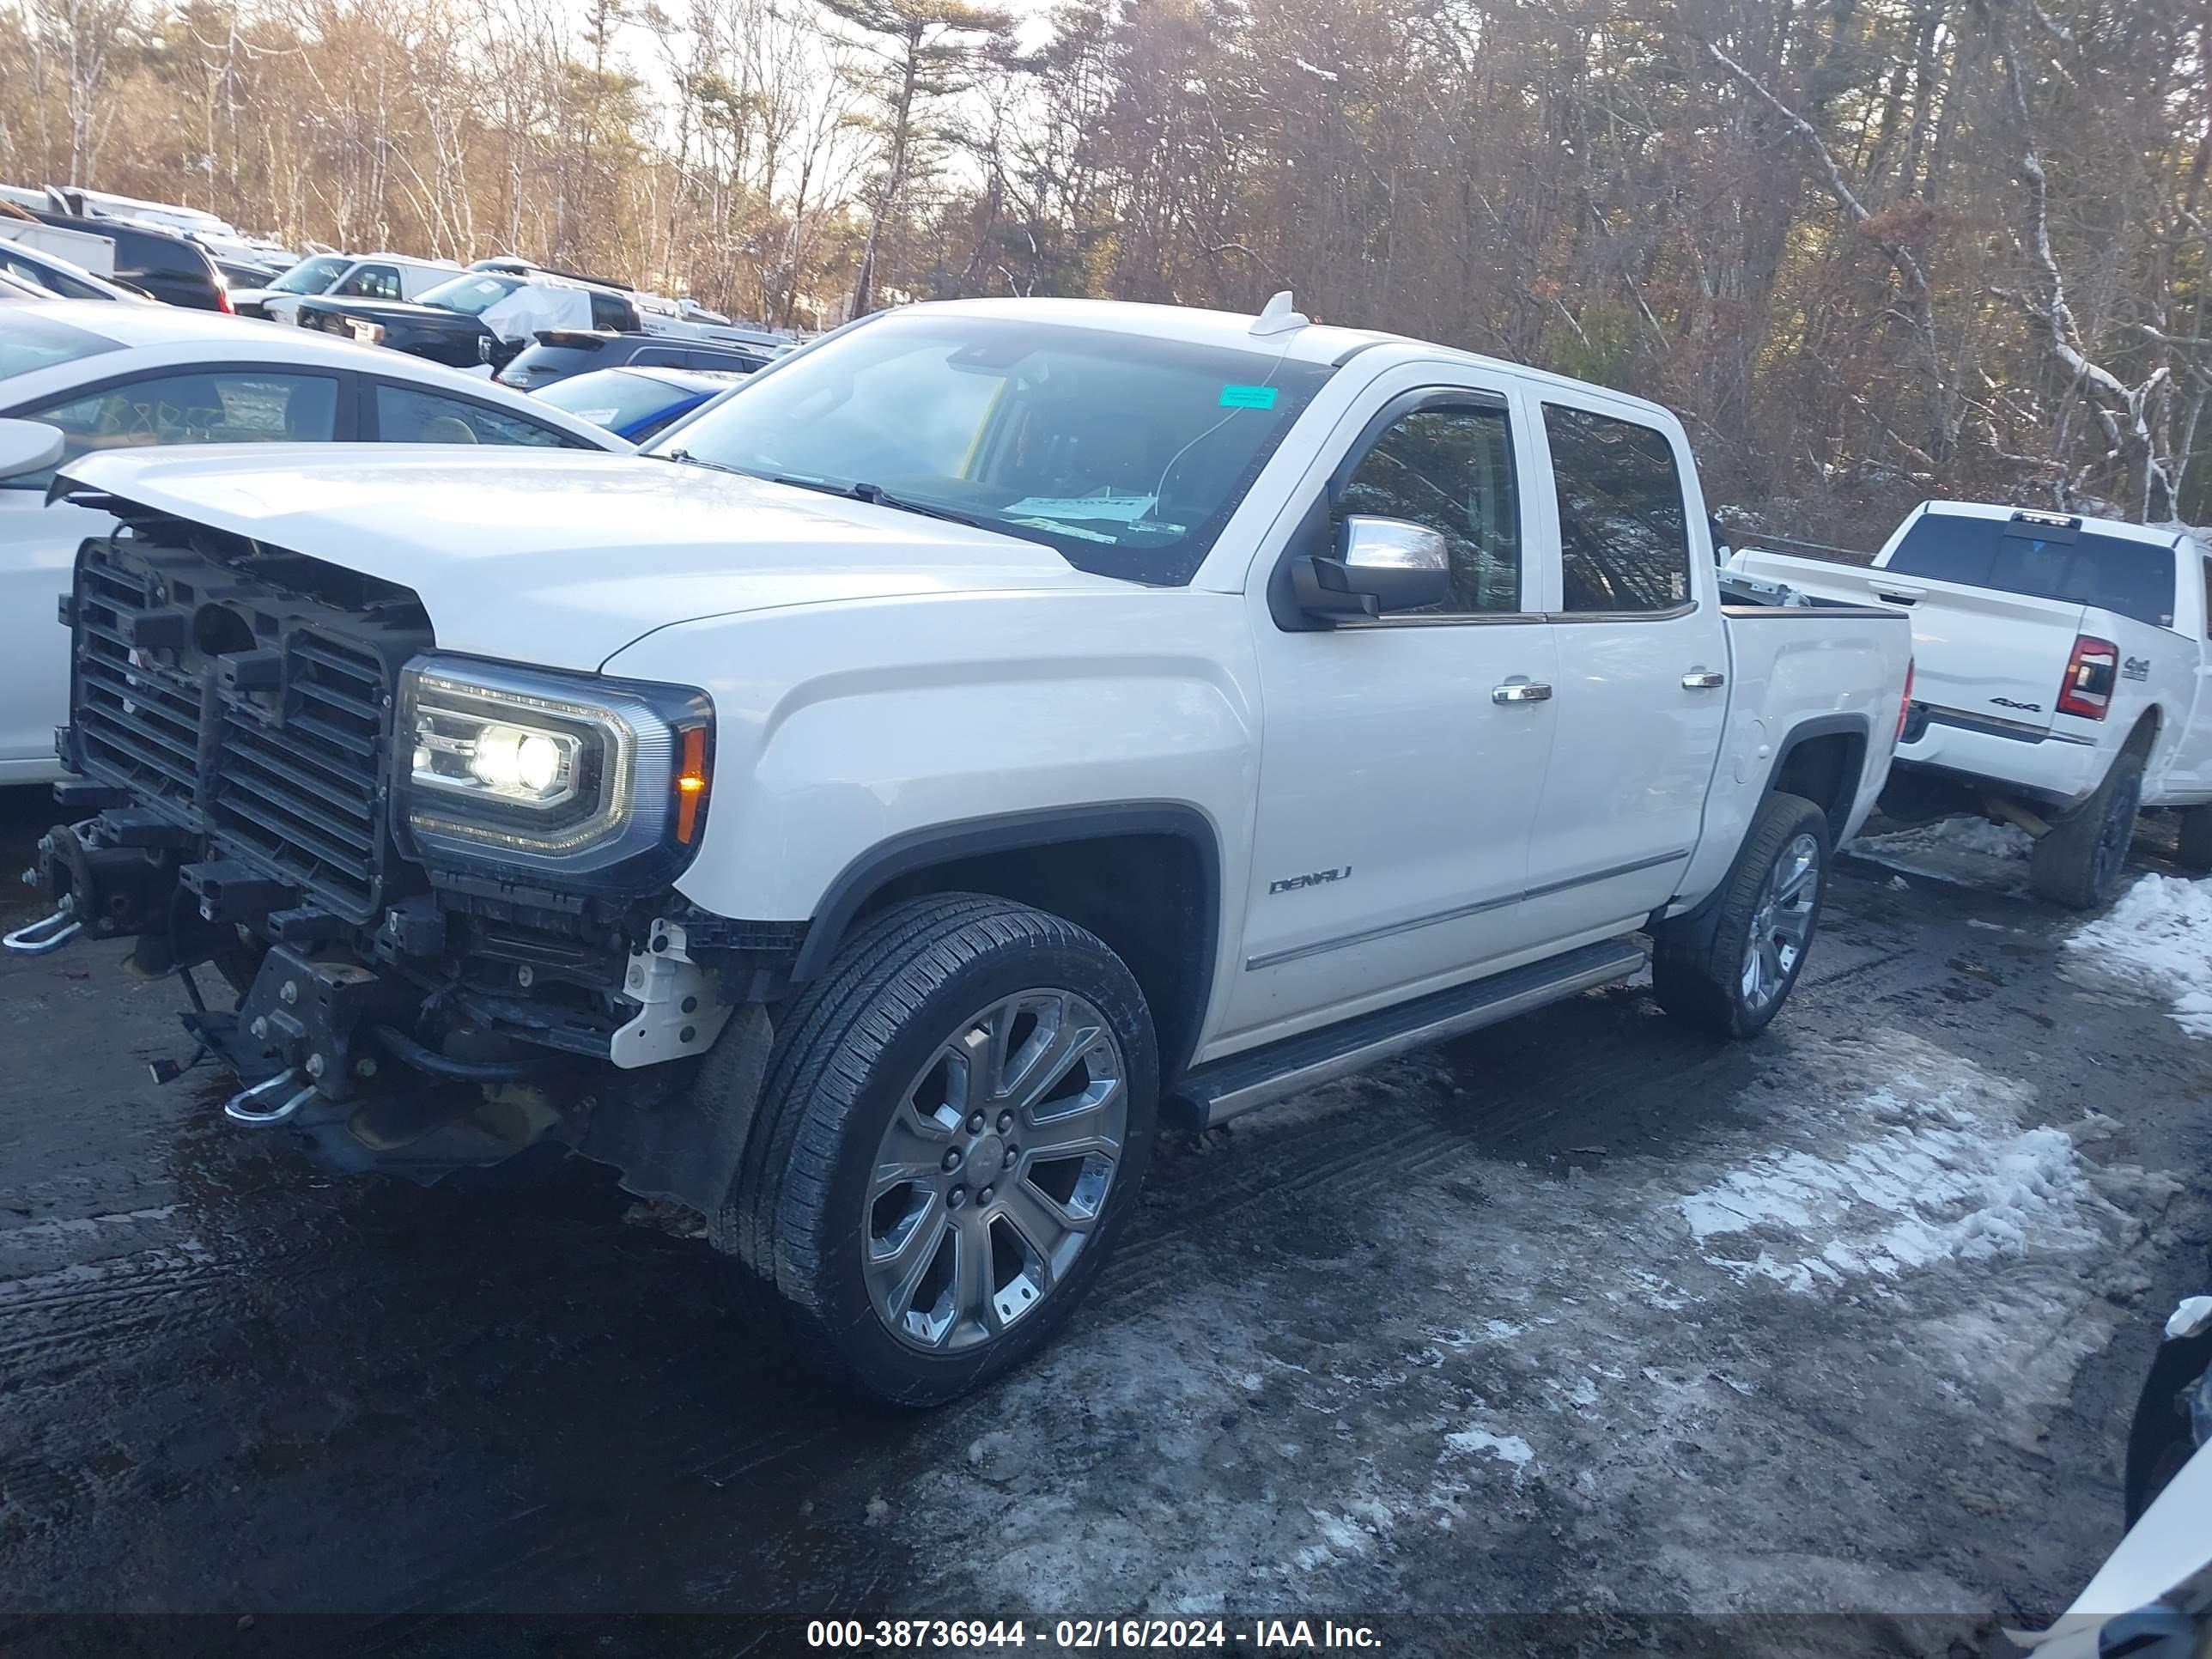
950	1137
1730	967
2079	859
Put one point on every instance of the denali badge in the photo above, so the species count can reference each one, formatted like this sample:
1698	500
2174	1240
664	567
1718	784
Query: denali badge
1291	884
2135	668
2006	702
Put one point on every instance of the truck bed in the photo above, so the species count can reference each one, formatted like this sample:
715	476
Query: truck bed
1979	653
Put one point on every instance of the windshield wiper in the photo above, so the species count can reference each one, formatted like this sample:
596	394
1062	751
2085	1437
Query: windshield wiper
877	495
688	460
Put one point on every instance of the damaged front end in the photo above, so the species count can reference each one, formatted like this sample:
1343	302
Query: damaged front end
441	888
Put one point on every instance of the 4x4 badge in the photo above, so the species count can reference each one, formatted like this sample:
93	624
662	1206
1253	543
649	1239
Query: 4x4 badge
2006	702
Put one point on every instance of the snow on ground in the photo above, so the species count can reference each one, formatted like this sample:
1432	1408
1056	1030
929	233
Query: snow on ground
1933	1165
1461	1360
1967	850
2157	938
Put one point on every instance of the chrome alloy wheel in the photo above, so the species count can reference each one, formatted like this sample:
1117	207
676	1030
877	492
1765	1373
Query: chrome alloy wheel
993	1170
1782	924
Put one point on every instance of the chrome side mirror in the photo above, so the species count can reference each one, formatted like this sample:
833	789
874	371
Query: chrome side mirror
1381	565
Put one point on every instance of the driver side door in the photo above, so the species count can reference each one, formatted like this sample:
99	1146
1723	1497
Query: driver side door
1402	756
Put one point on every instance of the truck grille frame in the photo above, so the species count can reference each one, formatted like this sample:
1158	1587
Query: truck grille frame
248	694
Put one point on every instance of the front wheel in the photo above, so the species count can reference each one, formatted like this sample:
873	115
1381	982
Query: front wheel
1730	966
950	1137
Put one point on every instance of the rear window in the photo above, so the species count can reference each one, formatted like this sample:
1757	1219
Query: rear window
149	255
2044	561
31	340
610	399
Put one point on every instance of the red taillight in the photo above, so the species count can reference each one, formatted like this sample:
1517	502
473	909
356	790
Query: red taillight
223	301
1905	702
2091	672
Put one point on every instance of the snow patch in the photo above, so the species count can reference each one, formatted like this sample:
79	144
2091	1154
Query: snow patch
1966	851
1933	1166
1476	1442
1315	70
2157	938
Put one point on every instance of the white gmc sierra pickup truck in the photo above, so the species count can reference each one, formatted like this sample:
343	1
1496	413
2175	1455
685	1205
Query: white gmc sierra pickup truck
2062	672
998	725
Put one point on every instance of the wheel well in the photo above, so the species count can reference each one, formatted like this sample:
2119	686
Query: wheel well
2144	738
1825	770
1154	896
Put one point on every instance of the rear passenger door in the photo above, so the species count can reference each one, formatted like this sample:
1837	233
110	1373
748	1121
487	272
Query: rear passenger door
1641	699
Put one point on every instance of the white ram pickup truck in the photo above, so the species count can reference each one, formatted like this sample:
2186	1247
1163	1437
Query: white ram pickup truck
2062	668
997	729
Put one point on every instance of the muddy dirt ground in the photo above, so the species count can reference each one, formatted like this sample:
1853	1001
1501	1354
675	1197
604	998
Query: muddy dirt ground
1646	1341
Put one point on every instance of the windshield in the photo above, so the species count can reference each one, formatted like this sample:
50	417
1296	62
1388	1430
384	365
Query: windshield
471	295
311	276
31	340
1125	452
2043	560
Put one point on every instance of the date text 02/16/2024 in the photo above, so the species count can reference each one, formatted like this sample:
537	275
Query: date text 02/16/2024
1266	1635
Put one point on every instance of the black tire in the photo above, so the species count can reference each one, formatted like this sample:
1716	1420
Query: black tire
2079	862
2192	848
1699	961
848	1056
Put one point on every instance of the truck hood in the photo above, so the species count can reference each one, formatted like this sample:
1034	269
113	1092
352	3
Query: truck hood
560	557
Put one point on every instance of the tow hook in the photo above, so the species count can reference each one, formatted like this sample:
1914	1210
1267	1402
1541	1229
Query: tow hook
247	1107
111	877
48	933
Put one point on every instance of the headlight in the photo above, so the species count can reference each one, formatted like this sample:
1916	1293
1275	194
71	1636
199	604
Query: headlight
567	775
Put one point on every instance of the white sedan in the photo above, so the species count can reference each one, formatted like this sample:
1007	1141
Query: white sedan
120	377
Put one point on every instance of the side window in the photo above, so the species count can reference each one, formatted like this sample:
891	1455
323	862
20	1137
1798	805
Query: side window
371	282
220	406
610	312
1451	470
1624	545
657	357
407	416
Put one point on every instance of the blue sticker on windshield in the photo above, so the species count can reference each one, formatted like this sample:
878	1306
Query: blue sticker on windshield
1247	397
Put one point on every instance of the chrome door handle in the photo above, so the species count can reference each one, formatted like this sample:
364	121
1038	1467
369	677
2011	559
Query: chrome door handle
1520	691
1703	679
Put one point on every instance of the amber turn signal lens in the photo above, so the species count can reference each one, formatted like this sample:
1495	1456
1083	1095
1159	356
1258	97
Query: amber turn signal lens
691	785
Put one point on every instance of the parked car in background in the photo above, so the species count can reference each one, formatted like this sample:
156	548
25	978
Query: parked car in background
128	377
2152	1598
448	323
990	731
343	276
636	402
171	268
2064	674
60	278
236	276
556	354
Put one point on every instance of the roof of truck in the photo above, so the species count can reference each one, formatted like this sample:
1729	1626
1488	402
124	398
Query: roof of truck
2119	529
1311	343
